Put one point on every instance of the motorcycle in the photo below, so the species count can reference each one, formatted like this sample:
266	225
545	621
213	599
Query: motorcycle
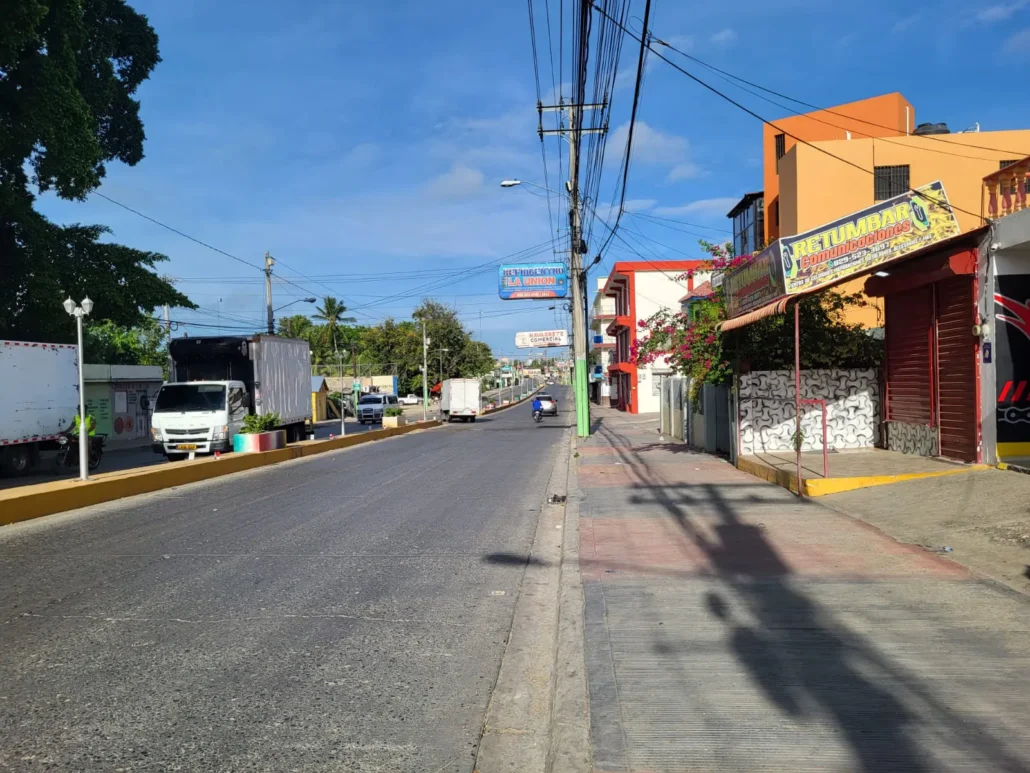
68	450
538	416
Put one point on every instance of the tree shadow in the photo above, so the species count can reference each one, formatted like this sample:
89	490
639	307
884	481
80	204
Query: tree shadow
799	656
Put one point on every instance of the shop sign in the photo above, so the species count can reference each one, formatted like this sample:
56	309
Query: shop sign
879	234
533	280
753	284
535	339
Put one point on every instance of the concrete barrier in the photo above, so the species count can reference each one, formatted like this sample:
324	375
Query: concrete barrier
27	502
488	411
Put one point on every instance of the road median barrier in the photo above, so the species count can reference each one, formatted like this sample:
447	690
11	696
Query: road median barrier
27	502
488	411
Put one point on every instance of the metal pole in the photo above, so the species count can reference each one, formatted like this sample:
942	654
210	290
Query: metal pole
579	337
83	430
269	262
797	393
343	403
425	374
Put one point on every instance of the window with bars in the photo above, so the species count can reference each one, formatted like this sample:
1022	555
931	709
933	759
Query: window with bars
781	149
1006	185
890	181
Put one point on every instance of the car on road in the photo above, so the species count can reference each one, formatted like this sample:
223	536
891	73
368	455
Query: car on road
548	405
409	400
371	407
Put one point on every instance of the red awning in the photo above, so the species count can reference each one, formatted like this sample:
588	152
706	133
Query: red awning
776	307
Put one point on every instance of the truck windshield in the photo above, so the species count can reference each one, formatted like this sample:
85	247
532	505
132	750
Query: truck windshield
370	400
175	398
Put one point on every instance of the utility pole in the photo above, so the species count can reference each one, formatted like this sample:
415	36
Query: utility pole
574	115
425	373
269	262
168	330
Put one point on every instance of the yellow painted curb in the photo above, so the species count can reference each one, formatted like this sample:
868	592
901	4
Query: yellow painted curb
27	502
819	487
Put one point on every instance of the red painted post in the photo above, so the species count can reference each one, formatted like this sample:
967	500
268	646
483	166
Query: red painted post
797	393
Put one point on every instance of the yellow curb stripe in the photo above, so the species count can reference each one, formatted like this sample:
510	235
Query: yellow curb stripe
819	487
27	502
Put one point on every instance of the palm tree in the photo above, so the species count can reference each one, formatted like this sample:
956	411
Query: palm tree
331	313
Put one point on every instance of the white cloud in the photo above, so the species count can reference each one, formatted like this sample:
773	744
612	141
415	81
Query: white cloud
460	182
627	76
1018	45
711	207
639	205
724	37
1000	12
363	155
904	23
688	170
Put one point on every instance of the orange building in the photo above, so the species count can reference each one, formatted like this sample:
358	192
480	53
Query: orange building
878	155
889	115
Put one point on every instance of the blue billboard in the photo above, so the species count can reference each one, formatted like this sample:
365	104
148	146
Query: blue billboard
533	280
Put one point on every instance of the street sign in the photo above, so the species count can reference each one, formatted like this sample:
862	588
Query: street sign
537	339
533	280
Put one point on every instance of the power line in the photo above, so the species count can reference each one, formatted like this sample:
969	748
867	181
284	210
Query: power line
731	76
766	121
658	221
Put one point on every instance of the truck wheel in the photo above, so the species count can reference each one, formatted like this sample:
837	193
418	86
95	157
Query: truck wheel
175	457
17	461
473	419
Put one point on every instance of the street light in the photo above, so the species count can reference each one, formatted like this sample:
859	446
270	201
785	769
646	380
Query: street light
440	352
513	183
299	300
79	312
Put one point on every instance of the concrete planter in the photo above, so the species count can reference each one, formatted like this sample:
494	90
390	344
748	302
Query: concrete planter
393	422
259	441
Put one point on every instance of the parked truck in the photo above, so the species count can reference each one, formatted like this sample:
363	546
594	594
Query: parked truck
216	381
459	399
39	384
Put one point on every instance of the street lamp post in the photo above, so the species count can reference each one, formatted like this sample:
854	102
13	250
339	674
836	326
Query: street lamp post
440	352
80	311
271	311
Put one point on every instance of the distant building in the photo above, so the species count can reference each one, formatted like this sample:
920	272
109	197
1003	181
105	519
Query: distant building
639	290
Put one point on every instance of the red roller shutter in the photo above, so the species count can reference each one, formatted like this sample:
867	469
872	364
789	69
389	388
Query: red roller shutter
956	357
909	350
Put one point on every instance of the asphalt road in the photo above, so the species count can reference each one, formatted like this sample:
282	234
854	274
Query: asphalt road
346	612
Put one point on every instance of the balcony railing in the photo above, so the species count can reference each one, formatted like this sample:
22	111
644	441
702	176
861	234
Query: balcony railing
604	308
1004	191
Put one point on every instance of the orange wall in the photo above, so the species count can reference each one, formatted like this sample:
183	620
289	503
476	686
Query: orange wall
882	116
817	189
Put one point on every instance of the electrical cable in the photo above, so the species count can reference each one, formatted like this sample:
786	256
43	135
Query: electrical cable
766	121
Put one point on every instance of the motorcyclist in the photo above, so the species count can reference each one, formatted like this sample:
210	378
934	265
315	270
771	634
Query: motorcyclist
538	407
91	425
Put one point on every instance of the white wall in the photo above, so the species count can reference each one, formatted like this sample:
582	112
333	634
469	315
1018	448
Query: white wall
767	410
656	291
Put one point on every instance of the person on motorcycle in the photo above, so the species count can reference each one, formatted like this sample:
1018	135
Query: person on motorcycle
538	407
91	425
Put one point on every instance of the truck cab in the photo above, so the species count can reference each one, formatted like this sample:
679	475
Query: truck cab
198	417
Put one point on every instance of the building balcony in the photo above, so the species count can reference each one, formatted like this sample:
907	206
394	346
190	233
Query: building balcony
605	342
621	322
1005	191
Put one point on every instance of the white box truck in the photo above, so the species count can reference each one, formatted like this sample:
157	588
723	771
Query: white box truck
459	399
218	380
40	397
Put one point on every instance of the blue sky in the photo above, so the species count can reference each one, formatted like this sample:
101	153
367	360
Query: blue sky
355	139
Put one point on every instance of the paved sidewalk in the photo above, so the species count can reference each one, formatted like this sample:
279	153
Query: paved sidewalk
732	627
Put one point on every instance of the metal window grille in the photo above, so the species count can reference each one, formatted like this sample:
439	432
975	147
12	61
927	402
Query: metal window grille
890	181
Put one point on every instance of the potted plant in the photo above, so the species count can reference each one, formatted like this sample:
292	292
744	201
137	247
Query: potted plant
259	434
393	417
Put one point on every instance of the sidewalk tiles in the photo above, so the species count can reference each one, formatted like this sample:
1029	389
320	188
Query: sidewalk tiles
732	627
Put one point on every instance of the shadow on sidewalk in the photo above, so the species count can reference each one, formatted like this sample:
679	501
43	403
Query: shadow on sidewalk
802	659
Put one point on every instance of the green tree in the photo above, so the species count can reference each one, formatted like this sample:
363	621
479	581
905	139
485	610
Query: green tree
332	312
68	73
110	344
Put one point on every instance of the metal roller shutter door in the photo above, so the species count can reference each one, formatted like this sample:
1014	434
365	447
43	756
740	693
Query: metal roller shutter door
956	358
909	350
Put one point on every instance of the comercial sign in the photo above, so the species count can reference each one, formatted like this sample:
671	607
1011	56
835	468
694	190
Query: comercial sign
541	338
754	284
533	280
876	235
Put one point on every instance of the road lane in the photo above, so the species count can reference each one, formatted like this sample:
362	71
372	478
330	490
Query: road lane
334	613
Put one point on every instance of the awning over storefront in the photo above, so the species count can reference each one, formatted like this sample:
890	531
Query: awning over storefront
776	307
